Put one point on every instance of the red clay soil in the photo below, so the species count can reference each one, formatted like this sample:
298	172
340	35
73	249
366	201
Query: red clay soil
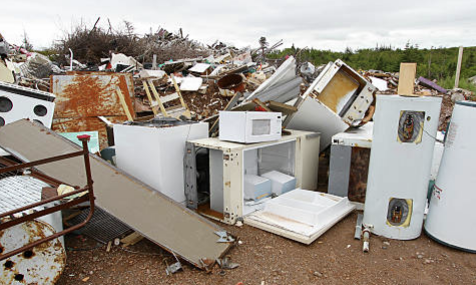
265	258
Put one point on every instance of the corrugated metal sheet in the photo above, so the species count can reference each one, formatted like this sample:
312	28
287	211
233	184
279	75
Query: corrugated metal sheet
89	94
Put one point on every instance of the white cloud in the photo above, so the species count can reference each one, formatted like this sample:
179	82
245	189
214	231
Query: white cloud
320	24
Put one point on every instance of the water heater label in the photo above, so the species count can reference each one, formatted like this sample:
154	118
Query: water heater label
452	132
437	192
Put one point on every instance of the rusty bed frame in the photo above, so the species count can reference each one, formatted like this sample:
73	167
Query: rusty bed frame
17	216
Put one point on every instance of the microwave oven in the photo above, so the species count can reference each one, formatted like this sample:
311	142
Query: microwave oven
250	127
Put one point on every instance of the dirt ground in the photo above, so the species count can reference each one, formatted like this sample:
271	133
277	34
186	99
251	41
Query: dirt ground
265	258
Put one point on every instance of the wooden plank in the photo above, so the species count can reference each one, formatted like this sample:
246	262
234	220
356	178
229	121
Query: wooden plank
170	97
124	105
177	89
149	97
231	104
108	248
406	79
458	68
281	107
65	220
131	239
157	97
261	104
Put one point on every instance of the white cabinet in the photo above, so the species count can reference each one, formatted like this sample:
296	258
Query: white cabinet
295	154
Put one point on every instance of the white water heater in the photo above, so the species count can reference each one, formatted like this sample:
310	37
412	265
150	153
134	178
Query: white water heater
400	164
451	219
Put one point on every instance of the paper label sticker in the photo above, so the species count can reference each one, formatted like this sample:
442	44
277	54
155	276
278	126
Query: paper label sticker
438	192
452	132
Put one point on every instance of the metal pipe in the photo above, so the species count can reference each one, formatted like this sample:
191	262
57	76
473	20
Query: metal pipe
366	239
358	227
41	161
70	60
85	139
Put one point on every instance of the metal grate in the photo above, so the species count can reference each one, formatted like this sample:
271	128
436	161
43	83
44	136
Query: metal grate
19	191
102	227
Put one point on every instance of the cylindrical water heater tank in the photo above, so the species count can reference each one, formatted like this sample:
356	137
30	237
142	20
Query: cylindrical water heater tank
451	219
400	163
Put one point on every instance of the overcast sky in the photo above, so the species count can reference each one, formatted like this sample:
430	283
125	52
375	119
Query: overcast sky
331	24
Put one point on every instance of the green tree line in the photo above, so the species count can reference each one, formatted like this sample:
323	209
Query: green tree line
434	63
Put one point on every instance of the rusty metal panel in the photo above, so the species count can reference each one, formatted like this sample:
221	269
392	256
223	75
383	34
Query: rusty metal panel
359	170
41	265
144	209
89	94
89	124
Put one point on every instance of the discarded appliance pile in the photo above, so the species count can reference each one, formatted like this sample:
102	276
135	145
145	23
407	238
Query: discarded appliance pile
387	83
233	140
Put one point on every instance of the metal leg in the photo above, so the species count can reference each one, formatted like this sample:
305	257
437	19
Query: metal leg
190	176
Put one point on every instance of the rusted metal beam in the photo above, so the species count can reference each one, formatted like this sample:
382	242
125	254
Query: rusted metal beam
41	161
34	173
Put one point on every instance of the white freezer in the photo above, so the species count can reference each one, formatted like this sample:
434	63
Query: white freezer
154	155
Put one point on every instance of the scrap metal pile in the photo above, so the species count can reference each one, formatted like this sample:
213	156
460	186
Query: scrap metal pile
158	158
387	83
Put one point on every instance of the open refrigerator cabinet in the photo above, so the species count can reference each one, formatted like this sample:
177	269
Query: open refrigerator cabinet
343	90
339	97
215	171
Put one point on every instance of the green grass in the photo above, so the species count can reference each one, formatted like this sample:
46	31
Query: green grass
449	83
